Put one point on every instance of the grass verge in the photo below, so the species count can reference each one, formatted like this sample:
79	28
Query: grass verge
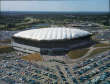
99	50
102	45
74	54
5	41
6	49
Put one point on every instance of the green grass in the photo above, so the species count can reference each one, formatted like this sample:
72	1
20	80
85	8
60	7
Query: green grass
102	45
6	49
106	27
74	54
5	41
99	50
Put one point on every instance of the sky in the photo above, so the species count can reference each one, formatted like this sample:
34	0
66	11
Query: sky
55	5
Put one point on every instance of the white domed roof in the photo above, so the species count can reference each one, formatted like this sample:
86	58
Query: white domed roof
57	33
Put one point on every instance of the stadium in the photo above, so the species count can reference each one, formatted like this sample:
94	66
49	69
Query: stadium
50	40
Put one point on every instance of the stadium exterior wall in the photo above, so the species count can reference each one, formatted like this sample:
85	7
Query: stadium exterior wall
31	46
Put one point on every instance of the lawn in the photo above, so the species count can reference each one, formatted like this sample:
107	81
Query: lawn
102	45
6	49
74	54
5	41
99	50
32	57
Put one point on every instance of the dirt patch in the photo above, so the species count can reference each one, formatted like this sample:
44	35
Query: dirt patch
32	57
